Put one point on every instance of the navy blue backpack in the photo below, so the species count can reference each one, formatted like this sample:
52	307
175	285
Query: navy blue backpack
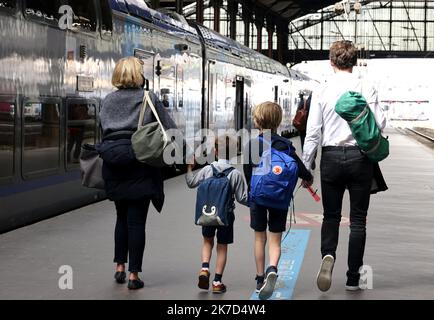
214	199
274	179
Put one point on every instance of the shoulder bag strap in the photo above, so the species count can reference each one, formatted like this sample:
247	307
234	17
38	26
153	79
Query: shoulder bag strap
148	101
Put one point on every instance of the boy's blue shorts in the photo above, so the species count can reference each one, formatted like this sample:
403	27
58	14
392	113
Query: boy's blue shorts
276	219
225	235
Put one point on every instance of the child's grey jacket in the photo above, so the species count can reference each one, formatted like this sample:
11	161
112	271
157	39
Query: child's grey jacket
237	181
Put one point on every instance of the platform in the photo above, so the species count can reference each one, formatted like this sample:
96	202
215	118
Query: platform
399	244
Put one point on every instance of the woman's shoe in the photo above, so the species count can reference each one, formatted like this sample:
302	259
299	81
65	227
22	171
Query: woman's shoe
135	284
120	276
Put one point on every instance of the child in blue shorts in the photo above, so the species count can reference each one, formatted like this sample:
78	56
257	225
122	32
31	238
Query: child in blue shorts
224	234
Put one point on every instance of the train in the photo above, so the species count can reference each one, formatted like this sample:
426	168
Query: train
56	63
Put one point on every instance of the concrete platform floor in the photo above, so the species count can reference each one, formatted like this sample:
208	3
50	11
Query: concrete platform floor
399	247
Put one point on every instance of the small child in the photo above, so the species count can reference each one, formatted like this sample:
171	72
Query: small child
225	234
268	116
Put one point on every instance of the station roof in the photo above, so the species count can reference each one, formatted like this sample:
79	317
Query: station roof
287	10
292	9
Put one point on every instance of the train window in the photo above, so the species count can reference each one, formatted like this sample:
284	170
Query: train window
106	21
46	11
41	138
84	14
7	124
148	65
167	85
81	128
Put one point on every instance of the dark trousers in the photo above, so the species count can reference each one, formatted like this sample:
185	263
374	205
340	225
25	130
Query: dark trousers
130	235
345	168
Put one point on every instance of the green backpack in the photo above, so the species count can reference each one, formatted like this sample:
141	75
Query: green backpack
354	109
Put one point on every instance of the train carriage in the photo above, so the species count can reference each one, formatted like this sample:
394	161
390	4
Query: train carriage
56	62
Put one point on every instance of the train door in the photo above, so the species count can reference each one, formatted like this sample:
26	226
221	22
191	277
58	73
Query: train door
8	141
240	108
209	106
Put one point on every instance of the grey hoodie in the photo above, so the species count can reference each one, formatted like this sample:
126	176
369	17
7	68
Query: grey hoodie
237	181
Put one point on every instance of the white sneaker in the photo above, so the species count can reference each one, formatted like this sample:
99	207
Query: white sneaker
352	288
269	283
324	277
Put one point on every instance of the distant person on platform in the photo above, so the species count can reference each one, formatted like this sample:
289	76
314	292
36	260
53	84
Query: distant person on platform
343	166
304	104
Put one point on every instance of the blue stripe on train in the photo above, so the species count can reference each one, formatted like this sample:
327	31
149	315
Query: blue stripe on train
38	183
293	248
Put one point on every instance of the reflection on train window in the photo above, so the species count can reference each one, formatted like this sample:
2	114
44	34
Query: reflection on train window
81	128
106	22
41	137
8	4
44	10
84	14
167	85
148	65
7	122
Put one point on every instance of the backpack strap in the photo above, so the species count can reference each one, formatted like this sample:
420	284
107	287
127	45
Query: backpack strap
219	174
288	142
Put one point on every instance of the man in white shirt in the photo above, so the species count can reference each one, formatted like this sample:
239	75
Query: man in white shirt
343	166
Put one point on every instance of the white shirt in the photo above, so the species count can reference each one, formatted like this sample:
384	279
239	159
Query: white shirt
324	125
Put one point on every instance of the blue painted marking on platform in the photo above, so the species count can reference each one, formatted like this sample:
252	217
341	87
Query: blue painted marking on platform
291	259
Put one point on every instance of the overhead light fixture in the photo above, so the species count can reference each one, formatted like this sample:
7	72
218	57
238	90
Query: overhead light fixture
358	7
339	8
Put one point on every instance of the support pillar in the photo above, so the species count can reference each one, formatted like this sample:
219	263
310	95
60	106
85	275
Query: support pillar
259	23
179	6
216	6
155	4
282	41
247	19
270	30
233	10
199	11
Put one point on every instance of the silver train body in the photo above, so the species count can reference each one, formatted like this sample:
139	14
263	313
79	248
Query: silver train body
55	68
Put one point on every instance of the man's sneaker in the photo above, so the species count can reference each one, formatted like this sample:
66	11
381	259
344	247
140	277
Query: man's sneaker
203	279
270	281
324	278
352	285
218	287
259	283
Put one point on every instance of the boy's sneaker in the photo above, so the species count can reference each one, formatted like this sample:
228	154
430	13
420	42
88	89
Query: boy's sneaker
203	279
324	278
259	283
352	285
270	281
218	287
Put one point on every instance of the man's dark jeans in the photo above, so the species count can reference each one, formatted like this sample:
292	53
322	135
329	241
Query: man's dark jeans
345	168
